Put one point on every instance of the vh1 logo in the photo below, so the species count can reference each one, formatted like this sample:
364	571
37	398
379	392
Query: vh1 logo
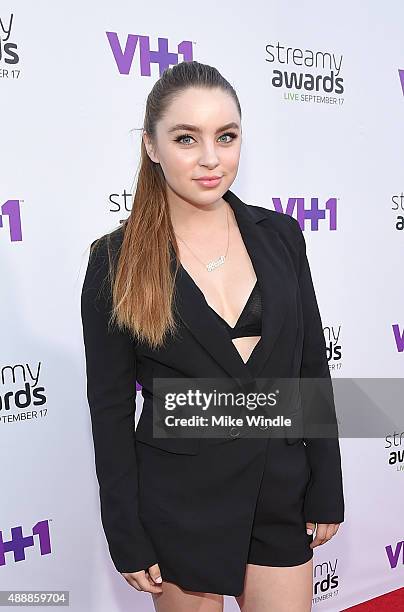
401	75
11	209
398	337
311	212
18	542
163	57
393	556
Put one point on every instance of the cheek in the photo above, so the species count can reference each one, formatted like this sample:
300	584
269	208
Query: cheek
178	161
230	157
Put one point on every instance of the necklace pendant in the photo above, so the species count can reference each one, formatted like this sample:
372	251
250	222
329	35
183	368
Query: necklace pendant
215	263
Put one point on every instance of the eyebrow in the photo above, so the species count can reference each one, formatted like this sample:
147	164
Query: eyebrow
194	128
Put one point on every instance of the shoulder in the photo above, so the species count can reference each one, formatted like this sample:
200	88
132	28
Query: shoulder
104	251
285	225
109	243
103	257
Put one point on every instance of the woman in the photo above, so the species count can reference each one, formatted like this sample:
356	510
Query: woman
196	283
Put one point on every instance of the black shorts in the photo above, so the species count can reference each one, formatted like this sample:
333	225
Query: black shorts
279	536
211	513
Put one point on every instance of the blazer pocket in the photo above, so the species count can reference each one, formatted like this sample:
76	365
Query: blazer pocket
182	446
294	432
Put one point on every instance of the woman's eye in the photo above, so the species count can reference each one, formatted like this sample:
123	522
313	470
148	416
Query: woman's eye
181	138
185	136
232	136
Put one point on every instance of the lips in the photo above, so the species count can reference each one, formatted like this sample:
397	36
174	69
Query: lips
209	181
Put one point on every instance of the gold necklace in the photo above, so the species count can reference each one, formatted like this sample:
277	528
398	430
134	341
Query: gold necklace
214	263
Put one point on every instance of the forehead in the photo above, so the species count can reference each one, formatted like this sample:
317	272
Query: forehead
205	108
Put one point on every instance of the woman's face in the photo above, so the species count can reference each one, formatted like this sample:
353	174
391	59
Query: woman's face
207	144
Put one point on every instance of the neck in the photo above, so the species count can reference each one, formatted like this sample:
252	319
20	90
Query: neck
188	217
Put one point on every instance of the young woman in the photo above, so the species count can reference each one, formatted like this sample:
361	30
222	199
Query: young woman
196	283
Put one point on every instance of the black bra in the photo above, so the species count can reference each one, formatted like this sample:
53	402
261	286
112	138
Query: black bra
249	322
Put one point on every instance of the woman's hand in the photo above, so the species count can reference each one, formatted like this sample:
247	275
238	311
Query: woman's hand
146	580
324	532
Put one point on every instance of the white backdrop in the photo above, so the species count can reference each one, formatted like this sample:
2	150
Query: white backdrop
68	144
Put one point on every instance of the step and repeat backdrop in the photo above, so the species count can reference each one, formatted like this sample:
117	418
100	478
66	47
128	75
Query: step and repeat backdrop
322	93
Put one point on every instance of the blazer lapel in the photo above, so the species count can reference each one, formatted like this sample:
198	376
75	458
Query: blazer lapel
265	250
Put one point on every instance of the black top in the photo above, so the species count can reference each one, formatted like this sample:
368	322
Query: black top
293	346
249	322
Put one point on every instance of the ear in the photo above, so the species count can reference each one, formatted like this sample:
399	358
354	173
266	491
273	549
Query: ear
149	147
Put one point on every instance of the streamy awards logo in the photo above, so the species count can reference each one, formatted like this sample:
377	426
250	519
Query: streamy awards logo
325	581
398	207
306	75
9	56
22	397
332	334
394	445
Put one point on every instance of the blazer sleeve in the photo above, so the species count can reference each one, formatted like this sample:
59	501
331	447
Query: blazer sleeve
111	392
324	500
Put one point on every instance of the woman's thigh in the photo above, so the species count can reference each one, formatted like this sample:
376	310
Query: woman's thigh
175	599
281	589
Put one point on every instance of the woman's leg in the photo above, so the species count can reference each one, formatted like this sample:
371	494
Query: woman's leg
277	589
175	599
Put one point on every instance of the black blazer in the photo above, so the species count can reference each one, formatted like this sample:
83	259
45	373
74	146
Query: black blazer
292	345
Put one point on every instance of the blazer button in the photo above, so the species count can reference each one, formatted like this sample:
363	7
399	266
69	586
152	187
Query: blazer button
234	431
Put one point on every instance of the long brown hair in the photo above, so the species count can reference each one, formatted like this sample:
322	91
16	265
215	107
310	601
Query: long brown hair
142	282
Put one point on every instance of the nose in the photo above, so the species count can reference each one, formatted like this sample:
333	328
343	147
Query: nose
209	156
